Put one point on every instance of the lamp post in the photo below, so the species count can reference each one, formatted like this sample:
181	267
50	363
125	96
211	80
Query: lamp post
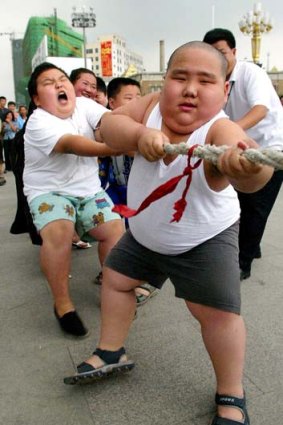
85	18
255	23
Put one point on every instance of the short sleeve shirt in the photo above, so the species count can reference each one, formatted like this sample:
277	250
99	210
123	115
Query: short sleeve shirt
47	171
250	85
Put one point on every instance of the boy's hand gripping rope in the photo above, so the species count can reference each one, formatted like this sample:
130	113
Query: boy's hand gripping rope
211	153
207	152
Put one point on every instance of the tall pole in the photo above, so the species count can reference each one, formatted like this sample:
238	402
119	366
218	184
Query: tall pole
255	23
84	19
161	56
84	46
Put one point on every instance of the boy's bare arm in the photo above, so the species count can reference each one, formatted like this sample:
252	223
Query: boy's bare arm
123	129
82	146
243	174
251	118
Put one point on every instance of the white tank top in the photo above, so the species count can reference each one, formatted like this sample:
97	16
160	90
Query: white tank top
207	212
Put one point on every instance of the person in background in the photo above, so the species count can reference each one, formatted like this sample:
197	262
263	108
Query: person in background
9	129
120	91
3	109
84	82
23	111
254	105
101	92
198	248
104	163
13	108
2	177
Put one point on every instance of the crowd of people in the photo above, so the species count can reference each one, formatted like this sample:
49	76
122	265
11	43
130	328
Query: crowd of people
11	121
90	146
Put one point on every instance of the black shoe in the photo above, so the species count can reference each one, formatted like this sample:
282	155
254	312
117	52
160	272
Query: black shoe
245	274
71	324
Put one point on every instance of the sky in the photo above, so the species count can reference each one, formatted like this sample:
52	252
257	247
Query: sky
143	23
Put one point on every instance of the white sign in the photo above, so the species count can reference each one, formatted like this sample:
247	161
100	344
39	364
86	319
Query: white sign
41	53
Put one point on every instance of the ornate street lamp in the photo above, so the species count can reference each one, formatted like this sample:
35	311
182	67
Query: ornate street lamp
85	18
255	23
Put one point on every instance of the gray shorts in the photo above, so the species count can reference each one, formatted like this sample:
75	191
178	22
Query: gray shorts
207	274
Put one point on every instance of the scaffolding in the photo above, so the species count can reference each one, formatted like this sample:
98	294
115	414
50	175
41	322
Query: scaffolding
63	41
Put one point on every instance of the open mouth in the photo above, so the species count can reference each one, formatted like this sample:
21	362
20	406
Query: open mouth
62	96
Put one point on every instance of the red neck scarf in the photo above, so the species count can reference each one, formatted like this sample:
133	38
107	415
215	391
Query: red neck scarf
163	190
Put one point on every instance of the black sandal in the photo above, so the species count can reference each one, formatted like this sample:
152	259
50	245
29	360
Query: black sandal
112	364
227	400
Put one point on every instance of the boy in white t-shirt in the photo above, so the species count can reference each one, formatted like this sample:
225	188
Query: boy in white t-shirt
62	185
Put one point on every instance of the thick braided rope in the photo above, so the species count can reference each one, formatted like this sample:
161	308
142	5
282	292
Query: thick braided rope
211	152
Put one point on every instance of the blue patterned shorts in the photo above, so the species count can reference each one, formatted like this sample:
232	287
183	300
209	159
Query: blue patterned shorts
86	213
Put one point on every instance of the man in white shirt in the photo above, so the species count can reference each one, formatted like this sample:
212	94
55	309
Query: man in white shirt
255	106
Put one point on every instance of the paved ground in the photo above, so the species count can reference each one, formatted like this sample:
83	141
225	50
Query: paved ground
172	383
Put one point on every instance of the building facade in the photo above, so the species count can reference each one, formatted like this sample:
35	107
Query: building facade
108	57
150	81
61	41
111	58
277	81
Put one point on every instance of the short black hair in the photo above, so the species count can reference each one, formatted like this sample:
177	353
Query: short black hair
116	84
76	73
201	45
11	102
219	34
3	97
100	85
38	70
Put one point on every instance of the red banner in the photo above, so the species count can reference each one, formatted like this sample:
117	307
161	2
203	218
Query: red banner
106	58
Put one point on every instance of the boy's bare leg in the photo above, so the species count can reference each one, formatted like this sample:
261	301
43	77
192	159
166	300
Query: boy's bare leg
55	260
107	235
2	169
118	306
224	336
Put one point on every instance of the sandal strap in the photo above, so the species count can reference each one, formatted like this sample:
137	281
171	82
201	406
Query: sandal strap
238	403
228	400
110	357
224	421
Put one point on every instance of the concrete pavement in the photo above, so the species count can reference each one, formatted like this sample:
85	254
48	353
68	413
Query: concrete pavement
172	383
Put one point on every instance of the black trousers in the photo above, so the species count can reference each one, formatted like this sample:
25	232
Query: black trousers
1	151
255	209
7	153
